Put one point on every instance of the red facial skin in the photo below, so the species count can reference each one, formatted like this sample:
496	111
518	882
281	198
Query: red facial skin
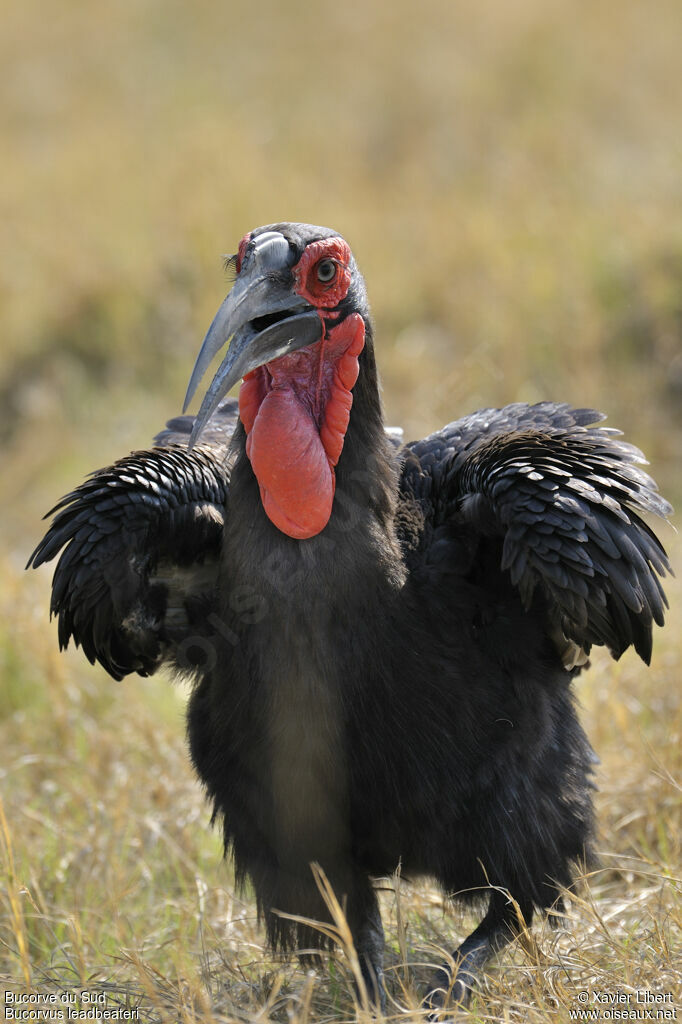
328	294
241	252
296	409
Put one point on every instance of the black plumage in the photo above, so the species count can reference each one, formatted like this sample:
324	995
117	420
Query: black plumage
396	688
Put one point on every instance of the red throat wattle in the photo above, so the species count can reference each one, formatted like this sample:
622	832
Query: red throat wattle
295	411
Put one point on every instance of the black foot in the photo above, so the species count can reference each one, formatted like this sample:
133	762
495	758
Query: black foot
374	983
499	926
369	943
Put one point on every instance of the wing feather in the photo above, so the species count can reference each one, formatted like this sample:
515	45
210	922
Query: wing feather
567	498
139	541
216	435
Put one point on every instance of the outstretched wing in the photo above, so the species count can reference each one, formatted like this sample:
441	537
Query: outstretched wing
567	501
141	540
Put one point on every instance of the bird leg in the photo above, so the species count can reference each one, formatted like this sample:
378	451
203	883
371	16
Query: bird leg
500	925
368	935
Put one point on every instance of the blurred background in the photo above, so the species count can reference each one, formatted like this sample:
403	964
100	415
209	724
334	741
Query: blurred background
509	176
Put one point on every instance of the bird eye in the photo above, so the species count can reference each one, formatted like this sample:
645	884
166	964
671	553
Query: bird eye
326	271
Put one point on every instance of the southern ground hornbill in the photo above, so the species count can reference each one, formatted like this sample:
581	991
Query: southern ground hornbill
382	636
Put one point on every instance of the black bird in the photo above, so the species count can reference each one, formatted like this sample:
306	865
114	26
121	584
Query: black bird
382	636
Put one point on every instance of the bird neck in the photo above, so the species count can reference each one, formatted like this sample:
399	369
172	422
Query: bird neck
367	470
360	534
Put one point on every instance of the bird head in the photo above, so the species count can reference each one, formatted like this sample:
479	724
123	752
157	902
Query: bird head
296	321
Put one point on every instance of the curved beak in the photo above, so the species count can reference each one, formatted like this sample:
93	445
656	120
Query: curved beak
263	289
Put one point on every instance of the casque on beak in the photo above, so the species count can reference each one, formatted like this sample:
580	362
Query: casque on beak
263	288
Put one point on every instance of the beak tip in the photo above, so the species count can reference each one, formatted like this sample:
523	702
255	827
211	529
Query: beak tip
189	394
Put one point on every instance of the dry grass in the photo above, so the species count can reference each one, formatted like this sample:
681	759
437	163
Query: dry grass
509	177
114	882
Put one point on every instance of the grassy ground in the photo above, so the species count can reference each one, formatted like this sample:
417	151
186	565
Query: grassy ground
114	881
509	178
